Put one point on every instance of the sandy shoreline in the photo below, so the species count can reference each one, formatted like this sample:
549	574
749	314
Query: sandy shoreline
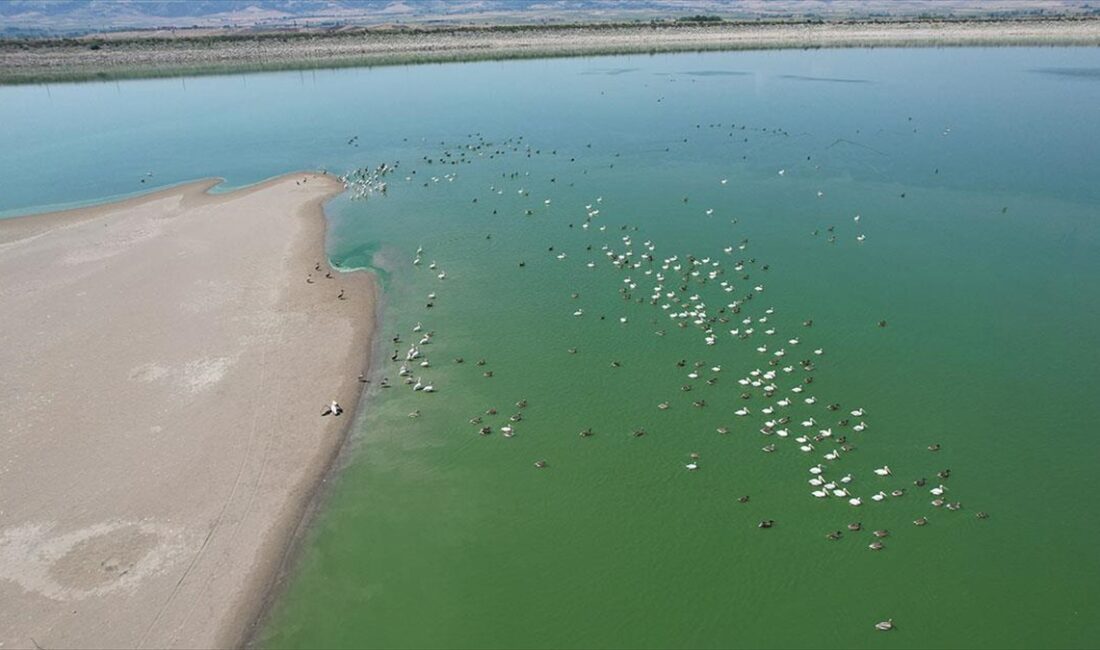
137	55
166	364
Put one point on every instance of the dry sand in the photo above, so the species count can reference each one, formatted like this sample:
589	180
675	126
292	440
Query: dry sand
165	365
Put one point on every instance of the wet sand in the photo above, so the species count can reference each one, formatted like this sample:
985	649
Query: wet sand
165	368
170	53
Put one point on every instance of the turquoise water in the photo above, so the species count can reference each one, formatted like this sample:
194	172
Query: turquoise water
974	173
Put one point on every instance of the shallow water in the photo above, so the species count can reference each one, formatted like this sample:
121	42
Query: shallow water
975	176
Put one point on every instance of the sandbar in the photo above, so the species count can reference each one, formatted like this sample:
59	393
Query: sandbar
165	365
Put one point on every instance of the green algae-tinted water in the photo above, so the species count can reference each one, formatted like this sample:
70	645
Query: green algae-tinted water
974	173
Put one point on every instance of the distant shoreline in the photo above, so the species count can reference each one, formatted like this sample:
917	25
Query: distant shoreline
171	53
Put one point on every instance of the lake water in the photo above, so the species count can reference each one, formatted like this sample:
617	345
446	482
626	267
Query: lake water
976	177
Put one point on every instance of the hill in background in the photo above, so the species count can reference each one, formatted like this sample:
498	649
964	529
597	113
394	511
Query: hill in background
69	17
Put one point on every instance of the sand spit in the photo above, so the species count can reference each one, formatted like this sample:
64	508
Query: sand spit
153	54
165	364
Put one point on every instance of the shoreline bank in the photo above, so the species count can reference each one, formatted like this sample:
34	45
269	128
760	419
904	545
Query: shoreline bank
168	365
259	614
134	57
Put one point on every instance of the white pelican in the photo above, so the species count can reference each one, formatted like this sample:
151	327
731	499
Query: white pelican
418	385
860	427
817	469
858	412
442	275
807	448
579	312
841	493
691	466
428	388
507	430
820	494
418	327
883	471
938	491
878	497
741	412
855	501
809	423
